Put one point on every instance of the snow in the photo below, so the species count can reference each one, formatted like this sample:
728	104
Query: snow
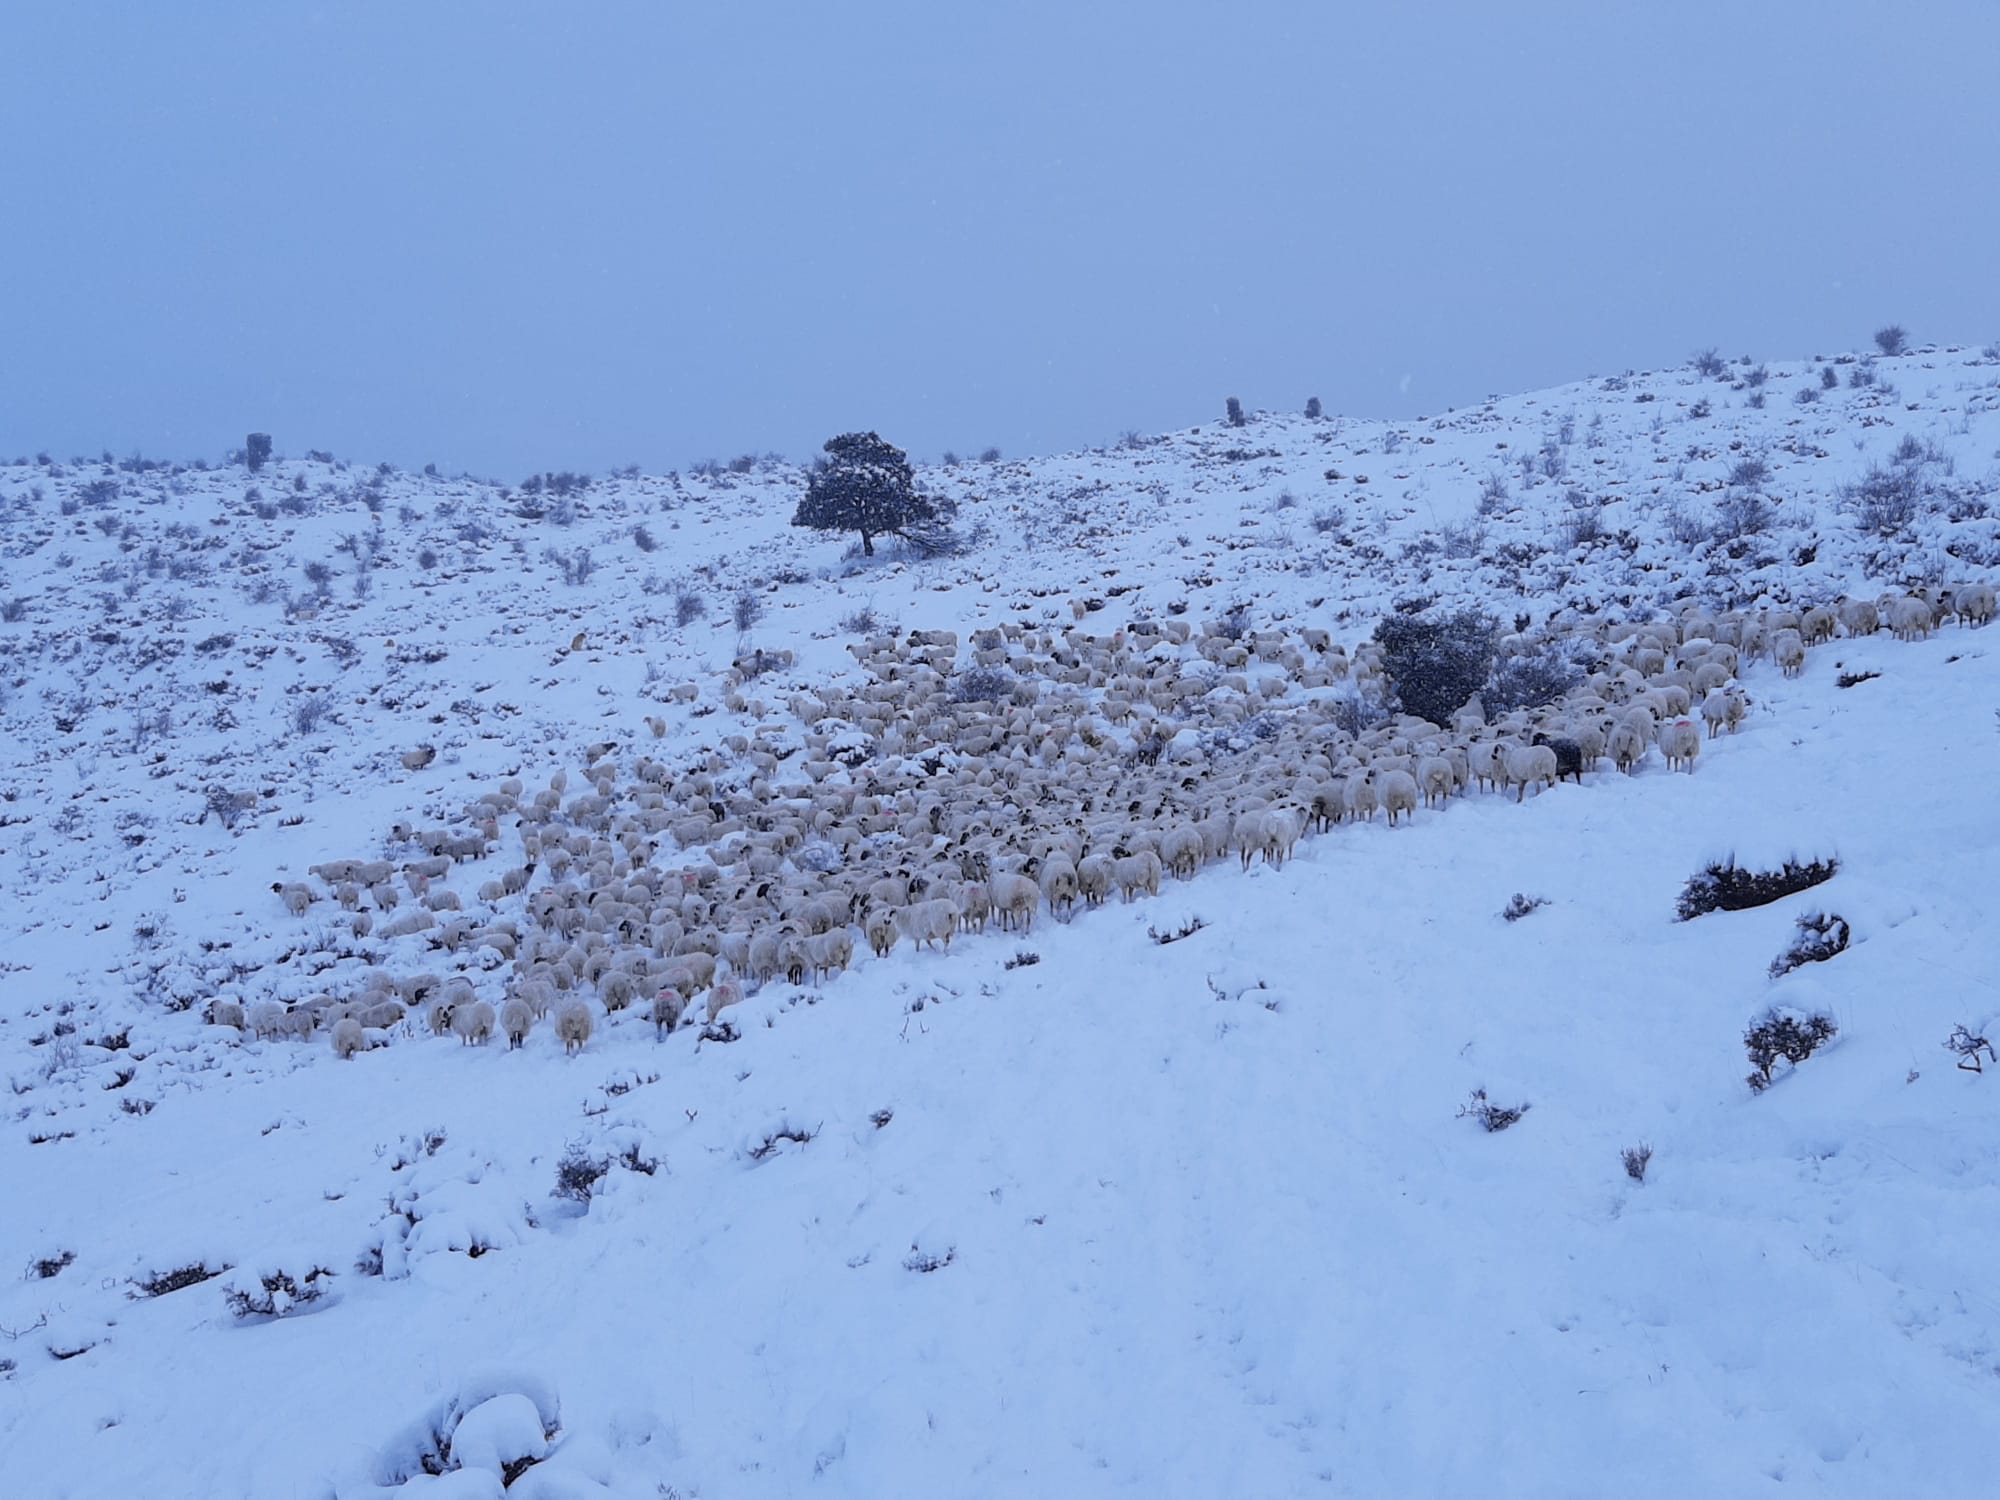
1137	1218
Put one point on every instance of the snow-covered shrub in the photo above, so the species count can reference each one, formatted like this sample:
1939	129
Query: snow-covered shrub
160	1283
746	611
1787	1035
688	607
501	1421
1233	411
1435	661
1521	905
1819	938
1530	679
1636	1159
1708	364
42	1267
576	566
1741	514
1726	886
577	1174
1492	1117
982	685
1893	339
253	1294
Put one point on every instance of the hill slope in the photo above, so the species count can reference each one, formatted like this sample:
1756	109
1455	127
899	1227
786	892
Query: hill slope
1193	1217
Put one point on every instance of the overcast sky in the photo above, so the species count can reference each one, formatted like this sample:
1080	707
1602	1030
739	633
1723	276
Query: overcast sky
509	237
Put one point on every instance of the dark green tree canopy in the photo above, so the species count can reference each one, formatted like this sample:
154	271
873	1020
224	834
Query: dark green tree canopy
863	484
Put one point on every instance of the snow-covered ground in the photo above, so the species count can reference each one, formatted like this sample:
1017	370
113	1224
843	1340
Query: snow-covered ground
1189	1218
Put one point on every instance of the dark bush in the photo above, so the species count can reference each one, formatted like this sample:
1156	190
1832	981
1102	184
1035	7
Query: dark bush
1636	1160
577	1174
1531	679
1819	938
1885	500
688	607
1780	1034
1435	661
1708	363
1749	474
1829	378
1893	339
1313	408
1968	1046
1742	514
1233	409
160	1283
747	610
982	685
256	451
1729	887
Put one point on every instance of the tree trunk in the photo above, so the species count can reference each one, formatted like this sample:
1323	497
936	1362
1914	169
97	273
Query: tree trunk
867	545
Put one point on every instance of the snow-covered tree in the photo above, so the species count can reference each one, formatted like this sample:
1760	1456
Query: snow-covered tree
866	485
1436	661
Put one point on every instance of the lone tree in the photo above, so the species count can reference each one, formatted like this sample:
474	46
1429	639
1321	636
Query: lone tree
257	451
864	485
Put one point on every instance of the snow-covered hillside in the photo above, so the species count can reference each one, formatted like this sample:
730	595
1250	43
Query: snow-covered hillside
1068	1211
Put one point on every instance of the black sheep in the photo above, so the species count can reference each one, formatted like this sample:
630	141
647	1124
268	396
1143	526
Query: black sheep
1569	756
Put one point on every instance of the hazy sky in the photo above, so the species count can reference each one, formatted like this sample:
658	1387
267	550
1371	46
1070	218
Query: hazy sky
509	237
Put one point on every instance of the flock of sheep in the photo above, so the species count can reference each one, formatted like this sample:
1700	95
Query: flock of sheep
1048	772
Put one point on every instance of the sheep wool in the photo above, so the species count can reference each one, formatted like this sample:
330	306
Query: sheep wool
573	1025
348	1037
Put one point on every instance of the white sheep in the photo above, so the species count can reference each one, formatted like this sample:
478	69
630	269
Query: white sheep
1362	797
829	953
1059	885
1016	898
517	1019
1137	872
1527	764
1180	852
1715	711
297	896
573	1025
882	930
617	989
1626	745
1858	617
667	1008
929	922
348	1037
473	1024
1788	650
1976	603
1909	617
727	992
1680	742
225	1013
1399	795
